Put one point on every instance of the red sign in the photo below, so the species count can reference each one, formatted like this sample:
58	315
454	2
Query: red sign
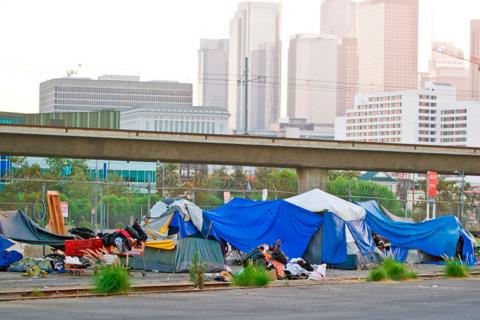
432	180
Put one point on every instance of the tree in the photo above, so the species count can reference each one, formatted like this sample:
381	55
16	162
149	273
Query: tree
358	190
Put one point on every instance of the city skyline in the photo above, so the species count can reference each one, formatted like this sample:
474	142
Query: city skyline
33	55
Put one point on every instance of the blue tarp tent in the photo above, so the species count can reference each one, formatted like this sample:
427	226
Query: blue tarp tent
438	237
344	238
245	224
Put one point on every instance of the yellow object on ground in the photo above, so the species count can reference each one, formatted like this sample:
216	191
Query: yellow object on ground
161	244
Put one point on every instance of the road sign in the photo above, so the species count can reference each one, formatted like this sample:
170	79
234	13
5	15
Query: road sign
432	180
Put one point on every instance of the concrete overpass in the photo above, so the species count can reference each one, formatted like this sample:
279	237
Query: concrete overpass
311	158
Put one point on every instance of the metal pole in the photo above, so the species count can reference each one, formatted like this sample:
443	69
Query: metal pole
163	180
43	214
428	210
95	191
148	197
462	196
413	196
245	98
102	209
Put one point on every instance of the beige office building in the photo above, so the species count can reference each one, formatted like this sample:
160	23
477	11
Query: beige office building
475	58
313	77
388	44
447	65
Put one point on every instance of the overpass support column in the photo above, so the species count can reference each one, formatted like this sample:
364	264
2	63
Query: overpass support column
311	178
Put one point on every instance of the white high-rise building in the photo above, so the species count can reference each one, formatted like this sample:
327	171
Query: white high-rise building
255	34
387	45
312	78
431	115
213	72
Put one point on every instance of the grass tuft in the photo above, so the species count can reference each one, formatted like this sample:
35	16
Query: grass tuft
397	271
456	269
393	270
377	275
252	276
111	279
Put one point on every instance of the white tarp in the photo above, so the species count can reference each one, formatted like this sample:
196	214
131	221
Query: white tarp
189	209
317	200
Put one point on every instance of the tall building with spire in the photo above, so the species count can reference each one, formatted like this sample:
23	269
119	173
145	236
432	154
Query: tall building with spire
255	35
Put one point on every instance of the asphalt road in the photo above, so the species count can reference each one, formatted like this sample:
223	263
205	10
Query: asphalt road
434	299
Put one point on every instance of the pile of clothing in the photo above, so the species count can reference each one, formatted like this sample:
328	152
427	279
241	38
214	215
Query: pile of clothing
273	258
297	268
121	239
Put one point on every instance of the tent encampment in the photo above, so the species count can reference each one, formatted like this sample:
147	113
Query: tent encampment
173	239
246	224
17	226
438	237
315	225
344	238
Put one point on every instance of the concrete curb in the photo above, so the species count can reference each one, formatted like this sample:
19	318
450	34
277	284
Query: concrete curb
86	291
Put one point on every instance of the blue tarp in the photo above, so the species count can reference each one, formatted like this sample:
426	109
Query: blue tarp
246	224
5	243
438	237
9	257
334	243
185	228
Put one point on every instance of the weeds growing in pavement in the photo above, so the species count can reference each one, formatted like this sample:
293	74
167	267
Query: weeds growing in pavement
392	270
252	275
456	269
196	271
377	275
111	279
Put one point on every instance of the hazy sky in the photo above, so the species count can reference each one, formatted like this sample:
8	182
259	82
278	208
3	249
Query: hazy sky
157	39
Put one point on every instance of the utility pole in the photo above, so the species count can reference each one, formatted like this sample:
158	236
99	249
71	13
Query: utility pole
245	92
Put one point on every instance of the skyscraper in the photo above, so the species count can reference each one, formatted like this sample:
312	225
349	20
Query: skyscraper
255	34
388	44
447	65
475	58
312	78
338	17
213	72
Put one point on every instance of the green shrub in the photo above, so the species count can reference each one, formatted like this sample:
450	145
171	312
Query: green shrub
252	275
456	269
397	271
196	271
111	279
377	275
